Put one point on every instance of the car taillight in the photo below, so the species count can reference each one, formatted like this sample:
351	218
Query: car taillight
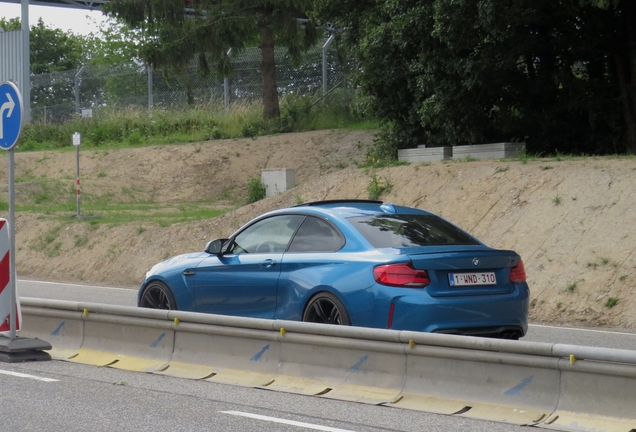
401	275
518	273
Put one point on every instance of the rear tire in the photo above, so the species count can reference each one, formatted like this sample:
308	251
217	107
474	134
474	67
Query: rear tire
157	295
326	308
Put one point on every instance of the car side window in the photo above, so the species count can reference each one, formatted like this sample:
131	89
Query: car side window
317	235
270	235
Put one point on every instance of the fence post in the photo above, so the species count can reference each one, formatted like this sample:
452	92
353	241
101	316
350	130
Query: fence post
150	89
78	81
226	87
325	48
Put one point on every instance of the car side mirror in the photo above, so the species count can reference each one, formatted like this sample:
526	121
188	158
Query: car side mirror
215	247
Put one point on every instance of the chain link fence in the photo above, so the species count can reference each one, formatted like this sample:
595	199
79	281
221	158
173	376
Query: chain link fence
58	97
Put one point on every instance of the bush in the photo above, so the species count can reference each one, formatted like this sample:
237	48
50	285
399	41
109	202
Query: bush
255	190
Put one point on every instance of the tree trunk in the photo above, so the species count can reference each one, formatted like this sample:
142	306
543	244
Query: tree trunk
625	61
268	67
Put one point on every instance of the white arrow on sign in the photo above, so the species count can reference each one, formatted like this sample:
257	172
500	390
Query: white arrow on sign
6	106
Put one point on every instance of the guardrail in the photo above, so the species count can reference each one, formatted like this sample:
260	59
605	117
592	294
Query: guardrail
554	386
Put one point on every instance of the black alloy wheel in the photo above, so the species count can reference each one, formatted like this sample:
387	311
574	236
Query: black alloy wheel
326	308
157	295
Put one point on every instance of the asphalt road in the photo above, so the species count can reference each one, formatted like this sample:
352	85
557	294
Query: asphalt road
88	398
66	396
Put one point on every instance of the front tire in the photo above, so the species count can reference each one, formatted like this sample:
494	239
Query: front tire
157	295
326	308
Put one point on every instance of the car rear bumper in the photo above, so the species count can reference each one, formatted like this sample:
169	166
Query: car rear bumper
497	315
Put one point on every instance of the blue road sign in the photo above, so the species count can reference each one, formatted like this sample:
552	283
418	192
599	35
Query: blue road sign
10	115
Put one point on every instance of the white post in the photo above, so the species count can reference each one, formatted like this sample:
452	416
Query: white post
325	49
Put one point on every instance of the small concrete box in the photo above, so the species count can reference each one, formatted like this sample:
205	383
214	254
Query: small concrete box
421	154
277	180
489	151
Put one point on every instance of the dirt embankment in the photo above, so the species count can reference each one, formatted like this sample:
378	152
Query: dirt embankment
572	221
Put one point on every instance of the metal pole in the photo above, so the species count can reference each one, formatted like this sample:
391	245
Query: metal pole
12	273
226	87
226	92
151	101
26	64
77	181
78	80
325	48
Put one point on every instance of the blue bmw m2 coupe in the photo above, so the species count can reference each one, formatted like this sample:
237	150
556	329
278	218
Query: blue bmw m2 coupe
350	262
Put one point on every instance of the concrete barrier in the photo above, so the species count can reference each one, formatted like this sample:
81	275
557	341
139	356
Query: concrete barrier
595	396
224	354
511	388
340	368
125	342
563	387
63	328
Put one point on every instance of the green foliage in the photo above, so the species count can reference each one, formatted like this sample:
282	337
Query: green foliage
129	127
556	200
255	190
446	72
377	186
611	302
172	40
570	287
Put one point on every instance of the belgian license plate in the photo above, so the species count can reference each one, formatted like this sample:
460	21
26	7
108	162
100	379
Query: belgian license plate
468	279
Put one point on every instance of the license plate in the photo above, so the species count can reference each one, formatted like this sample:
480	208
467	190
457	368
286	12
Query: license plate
468	279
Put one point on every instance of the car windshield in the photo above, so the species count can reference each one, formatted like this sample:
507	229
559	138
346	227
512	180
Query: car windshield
409	230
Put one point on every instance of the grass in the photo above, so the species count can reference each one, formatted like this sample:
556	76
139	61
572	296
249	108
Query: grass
571	287
556	200
377	186
120	127
602	261
611	302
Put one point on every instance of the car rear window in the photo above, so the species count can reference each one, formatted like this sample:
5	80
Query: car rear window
410	230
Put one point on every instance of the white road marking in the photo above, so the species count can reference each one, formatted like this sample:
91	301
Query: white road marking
287	422
583	330
21	375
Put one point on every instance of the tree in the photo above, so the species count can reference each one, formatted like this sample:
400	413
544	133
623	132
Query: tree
206	30
446	72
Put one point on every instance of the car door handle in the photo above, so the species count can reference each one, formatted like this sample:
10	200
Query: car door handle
188	272
268	263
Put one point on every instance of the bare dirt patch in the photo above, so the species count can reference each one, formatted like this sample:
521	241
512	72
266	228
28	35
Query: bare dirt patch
572	221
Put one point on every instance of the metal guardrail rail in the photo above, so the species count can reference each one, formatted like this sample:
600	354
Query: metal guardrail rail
553	386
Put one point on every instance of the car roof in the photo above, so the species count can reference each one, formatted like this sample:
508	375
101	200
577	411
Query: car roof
352	208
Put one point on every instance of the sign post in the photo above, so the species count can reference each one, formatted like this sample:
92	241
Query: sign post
11	109
77	140
14	349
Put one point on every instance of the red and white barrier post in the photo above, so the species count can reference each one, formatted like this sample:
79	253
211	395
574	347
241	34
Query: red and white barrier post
8	301
12	348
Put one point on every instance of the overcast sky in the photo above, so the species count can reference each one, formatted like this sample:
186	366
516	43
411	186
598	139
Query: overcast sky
64	18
